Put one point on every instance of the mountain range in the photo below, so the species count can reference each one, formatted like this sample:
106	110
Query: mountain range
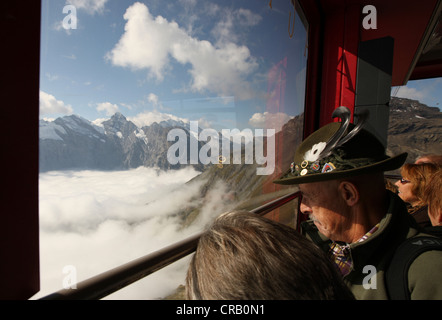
414	128
73	142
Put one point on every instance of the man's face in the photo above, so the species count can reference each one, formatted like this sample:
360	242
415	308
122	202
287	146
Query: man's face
324	205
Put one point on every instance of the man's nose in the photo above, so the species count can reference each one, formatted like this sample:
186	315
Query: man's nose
304	208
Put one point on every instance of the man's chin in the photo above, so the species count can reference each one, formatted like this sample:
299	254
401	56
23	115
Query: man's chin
321	229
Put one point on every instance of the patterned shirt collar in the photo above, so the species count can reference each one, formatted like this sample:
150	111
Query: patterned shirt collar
341	254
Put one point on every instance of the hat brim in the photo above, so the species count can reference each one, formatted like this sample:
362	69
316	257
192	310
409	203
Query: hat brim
381	166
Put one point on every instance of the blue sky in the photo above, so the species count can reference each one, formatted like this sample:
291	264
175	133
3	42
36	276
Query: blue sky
427	91
223	63
219	62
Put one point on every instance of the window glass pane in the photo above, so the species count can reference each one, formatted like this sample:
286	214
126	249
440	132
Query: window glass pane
415	119
137	101
415	124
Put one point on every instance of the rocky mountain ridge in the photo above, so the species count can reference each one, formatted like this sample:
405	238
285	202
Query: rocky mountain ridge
73	143
414	128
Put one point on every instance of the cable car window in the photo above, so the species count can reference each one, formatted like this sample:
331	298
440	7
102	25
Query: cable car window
415	119
156	117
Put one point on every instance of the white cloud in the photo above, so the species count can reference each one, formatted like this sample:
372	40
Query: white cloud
150	43
268	120
410	93
188	3
148	117
50	105
90	6
426	91
204	123
51	77
108	107
96	221
70	57
153	98
48	119
58	26
99	122
224	30
142	119
144	45
247	17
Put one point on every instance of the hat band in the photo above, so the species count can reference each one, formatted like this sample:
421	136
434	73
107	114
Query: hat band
336	161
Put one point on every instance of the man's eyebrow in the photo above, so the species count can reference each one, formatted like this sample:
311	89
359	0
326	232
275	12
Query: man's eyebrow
310	193
305	193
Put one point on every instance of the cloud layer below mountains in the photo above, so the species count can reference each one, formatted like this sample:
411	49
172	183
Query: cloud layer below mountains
94	221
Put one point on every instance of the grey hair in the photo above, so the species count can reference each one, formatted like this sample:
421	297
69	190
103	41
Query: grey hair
243	256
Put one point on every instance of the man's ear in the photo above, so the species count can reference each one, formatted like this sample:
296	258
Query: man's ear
349	192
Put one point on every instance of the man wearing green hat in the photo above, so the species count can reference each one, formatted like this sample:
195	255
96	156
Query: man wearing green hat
353	217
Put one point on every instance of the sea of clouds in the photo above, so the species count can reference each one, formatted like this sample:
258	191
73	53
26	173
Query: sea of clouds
93	221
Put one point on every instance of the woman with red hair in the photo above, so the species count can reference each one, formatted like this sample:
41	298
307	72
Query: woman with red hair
432	197
411	188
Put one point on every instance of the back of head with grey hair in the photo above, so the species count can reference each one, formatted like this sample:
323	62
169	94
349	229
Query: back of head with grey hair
243	256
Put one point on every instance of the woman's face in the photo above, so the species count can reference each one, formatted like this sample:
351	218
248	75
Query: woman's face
405	190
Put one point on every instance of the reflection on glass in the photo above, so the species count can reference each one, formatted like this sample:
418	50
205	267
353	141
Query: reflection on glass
116	77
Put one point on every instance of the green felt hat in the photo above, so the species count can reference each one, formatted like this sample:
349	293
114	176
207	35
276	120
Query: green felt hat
339	150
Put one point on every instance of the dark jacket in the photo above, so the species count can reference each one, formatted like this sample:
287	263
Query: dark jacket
436	231
420	214
374	254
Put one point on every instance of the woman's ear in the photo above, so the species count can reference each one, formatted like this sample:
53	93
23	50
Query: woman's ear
349	192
